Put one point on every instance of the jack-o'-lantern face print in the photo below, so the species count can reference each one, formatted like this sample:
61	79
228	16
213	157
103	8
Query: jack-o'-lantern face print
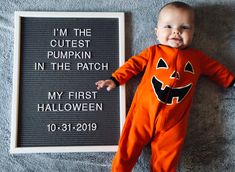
166	76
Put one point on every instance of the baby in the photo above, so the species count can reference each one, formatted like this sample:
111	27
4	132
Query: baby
160	108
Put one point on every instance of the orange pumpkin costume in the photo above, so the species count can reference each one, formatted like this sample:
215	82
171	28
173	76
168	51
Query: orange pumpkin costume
160	108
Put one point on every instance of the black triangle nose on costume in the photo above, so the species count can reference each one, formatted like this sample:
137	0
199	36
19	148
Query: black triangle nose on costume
175	75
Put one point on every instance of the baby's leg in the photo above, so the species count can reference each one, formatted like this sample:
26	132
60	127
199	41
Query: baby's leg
166	147
136	134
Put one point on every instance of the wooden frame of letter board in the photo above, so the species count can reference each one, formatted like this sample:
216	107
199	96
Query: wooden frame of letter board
16	80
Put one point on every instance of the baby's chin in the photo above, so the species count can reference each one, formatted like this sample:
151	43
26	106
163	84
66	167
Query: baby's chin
177	45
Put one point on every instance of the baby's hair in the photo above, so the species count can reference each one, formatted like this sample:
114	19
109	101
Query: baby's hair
177	4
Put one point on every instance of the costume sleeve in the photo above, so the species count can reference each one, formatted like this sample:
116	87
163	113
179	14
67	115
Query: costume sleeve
132	67
232	84
216	72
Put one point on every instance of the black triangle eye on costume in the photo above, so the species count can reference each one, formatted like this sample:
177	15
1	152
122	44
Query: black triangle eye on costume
188	67
162	64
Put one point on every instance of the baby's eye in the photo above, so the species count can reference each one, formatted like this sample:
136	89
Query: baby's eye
185	27
167	26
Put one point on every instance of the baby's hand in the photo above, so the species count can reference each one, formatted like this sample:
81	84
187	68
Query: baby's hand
110	84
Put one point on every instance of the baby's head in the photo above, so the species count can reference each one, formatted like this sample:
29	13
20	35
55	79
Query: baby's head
175	27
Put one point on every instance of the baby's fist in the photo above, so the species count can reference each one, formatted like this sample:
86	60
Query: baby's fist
109	84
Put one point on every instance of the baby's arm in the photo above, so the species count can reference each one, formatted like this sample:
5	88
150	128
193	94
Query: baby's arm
132	67
217	72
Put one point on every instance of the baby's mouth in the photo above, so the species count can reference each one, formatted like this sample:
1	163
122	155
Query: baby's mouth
176	39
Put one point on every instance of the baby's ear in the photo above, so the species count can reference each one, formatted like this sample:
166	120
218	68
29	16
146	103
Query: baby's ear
156	31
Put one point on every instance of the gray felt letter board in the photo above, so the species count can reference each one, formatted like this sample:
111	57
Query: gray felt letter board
57	60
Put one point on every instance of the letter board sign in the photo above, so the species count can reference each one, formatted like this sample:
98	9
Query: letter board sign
57	60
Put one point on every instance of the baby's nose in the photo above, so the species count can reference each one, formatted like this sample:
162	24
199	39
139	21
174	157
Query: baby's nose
176	31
